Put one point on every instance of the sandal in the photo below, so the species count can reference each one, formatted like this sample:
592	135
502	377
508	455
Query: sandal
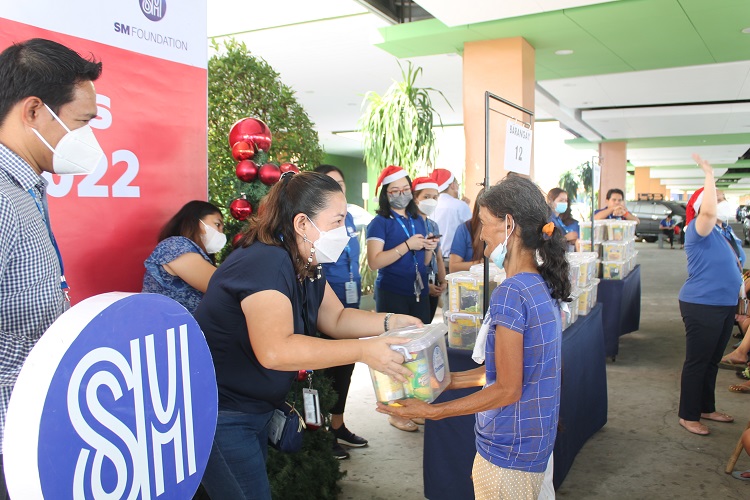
743	374
739	388
738	475
695	427
718	416
403	425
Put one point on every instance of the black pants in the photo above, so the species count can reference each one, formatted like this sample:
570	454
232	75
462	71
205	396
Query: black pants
669	234
433	306
3	488
707	331
386	301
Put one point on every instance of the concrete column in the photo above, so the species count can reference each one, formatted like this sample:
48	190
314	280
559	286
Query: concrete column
645	184
613	159
506	68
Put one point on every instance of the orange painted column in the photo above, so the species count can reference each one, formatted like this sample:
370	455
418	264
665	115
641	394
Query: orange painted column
646	185
613	159
506	68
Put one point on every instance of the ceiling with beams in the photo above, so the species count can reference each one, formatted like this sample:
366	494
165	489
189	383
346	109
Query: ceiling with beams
670	77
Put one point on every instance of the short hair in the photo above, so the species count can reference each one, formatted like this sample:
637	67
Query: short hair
327	169
186	222
44	69
615	191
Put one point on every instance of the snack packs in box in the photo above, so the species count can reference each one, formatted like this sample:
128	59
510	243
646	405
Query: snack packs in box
465	292
584	300
425	356
585	246
463	329
614	270
600	231
614	250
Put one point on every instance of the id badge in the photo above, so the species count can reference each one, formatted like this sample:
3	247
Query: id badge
312	407
351	292
418	286
431	278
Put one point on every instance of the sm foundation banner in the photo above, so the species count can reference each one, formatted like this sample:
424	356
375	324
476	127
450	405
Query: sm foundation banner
152	100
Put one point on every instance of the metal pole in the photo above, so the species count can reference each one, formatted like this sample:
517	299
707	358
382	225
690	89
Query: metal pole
486	277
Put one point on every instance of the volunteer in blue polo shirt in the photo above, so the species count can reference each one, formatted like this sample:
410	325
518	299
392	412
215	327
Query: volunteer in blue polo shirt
615	208
708	302
398	248
557	199
517	409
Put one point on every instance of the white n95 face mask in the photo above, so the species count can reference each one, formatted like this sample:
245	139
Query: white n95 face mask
213	240
427	206
77	153
724	211
330	244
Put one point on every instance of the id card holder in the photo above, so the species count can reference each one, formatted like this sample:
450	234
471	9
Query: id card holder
351	292
431	278
418	286
312	407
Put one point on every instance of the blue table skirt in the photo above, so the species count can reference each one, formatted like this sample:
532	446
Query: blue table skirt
449	447
621	300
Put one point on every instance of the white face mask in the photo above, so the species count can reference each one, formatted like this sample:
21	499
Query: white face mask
427	206
724	211
212	239
77	153
330	244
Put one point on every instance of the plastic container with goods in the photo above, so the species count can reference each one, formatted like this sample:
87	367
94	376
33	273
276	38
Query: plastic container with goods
426	356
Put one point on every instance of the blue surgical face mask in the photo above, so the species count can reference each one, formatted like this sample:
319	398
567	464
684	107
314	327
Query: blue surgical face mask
498	254
561	207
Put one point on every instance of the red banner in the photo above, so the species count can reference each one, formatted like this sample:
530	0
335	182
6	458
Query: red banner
152	127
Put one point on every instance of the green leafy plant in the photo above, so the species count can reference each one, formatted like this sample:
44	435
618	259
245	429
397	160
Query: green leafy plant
397	127
242	85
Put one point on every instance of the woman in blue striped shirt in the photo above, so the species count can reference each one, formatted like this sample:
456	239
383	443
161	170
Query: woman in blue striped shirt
517	409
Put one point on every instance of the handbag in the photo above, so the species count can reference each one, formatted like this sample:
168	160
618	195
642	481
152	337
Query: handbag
286	428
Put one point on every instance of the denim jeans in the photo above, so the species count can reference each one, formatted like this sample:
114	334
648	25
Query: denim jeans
236	468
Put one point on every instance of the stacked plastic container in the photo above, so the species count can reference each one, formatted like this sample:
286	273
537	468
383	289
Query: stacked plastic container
465	309
618	249
425	356
583	277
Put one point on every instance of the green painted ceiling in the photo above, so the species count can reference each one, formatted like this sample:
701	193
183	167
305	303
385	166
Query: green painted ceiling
626	35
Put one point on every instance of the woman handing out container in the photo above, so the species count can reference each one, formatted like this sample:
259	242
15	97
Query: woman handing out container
517	410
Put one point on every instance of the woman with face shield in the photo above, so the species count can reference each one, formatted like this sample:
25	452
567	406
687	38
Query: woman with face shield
261	316
182	263
518	406
425	191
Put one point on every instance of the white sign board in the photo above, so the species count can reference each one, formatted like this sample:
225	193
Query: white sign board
517	148
597	173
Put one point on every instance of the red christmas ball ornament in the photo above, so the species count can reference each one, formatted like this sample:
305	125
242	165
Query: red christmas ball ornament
236	240
242	151
240	209
251	131
286	167
269	174
246	171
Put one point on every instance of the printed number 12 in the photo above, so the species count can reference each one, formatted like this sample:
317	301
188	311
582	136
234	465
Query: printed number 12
519	153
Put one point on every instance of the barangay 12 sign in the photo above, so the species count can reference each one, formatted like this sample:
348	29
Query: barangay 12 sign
117	400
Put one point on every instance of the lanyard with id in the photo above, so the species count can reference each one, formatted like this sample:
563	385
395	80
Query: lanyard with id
418	283
63	282
310	397
350	288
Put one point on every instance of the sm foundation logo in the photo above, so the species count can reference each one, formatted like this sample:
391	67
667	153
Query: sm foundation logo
154	10
116	401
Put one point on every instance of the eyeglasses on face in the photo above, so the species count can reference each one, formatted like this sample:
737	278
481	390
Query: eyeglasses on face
397	192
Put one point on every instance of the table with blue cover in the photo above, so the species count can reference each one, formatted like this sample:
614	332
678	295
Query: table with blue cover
621	300
449	443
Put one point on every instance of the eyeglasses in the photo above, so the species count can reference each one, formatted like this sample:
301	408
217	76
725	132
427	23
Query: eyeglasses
397	192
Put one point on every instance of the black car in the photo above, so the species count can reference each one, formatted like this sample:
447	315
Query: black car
651	213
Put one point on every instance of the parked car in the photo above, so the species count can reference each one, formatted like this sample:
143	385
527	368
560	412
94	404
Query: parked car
651	213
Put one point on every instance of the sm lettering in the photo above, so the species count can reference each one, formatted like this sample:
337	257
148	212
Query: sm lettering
122	28
133	443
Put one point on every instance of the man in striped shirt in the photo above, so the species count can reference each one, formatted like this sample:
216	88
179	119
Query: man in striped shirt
46	93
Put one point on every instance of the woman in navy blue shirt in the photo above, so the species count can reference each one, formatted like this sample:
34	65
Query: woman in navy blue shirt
467	248
557	199
425	191
398	247
261	315
708	302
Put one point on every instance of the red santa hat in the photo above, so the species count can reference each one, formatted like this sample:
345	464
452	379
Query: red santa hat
421	183
693	205
389	174
443	178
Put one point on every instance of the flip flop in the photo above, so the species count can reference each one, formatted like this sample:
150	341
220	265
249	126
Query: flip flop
739	388
728	364
700	429
718	416
406	426
738	475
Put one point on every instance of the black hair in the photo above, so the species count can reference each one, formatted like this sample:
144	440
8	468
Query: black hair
384	206
186	221
44	69
327	169
615	191
303	193
521	198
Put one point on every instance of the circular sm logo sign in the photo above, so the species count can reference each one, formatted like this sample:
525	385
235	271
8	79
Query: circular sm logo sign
154	10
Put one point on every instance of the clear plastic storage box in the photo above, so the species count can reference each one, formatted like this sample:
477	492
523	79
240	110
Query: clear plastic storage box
463	329
614	250
426	356
614	270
